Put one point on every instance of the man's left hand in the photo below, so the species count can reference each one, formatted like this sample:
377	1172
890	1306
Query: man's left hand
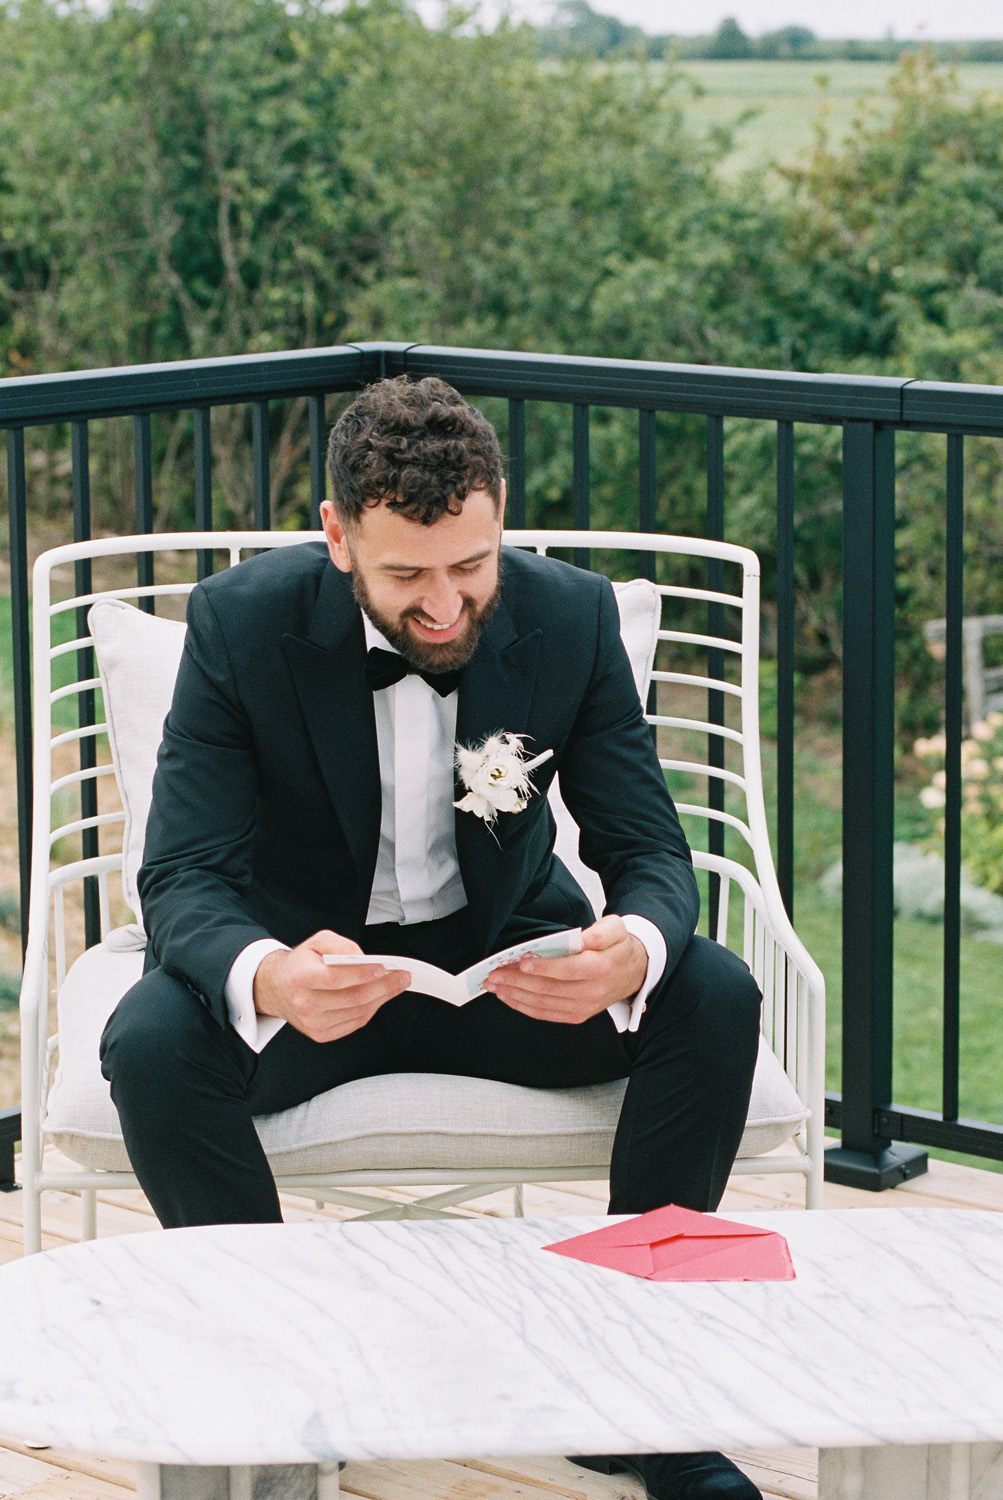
611	966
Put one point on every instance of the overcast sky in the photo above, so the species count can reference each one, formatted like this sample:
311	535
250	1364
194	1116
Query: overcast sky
937	19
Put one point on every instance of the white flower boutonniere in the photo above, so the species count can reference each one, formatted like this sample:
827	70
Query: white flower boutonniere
496	775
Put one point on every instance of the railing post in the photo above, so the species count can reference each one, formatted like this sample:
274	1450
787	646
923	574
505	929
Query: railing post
865	1159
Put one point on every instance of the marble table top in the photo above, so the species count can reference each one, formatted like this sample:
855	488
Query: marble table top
297	1343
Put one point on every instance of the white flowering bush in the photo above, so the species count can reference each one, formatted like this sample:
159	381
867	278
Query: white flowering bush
981	796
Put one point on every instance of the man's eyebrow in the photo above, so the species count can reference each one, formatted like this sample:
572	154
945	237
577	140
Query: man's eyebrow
410	567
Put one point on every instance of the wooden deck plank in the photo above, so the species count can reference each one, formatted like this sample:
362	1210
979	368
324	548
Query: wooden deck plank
63	1485
19	1471
442	1479
787	1473
554	1476
116	1471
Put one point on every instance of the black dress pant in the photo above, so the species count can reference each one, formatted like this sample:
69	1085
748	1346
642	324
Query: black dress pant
186	1088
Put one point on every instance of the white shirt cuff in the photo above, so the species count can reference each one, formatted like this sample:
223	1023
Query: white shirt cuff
257	1031
626	1014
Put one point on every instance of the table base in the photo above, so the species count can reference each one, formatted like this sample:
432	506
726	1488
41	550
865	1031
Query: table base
941	1471
254	1482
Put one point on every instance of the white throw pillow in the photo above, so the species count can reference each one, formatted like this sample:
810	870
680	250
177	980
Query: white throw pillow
640	606
138	657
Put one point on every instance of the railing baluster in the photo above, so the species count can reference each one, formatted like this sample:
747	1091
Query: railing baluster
318	457
203	483
785	663
142	447
259	465
580	478
17	532
954	606
646	487
715	656
515	510
80	455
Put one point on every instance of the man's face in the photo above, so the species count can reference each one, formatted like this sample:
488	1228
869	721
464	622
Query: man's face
428	589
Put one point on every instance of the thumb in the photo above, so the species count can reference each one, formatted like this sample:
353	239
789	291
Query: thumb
604	933
331	942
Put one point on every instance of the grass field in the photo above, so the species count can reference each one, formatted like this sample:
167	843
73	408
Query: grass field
788	99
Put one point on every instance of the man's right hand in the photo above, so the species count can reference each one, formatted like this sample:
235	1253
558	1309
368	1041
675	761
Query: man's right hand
323	1001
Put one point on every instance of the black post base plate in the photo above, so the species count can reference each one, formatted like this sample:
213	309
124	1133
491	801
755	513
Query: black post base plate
875	1171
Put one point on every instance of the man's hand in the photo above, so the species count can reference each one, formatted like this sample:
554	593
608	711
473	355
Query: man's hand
612	966
324	1002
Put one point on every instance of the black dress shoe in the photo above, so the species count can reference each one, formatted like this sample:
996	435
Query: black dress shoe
679	1476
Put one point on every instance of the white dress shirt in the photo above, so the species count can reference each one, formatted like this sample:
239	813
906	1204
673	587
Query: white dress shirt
417	876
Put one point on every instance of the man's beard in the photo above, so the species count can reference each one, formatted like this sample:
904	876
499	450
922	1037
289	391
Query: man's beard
426	655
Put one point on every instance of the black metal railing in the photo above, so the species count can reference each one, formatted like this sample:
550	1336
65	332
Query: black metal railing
880	1141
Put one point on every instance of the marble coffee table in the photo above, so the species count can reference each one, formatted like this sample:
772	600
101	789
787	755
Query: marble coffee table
248	1347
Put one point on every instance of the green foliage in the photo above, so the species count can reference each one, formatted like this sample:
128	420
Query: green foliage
789	41
981	797
730	41
186	178
10	911
578	30
10	989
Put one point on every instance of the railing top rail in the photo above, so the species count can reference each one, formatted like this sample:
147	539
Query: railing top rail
27	399
654	385
702	389
708	389
943	405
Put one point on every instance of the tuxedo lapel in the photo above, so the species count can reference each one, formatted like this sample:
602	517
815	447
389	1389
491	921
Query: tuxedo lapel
337	703
495	695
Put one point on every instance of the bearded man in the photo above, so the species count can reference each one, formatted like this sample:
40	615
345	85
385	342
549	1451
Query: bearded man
305	804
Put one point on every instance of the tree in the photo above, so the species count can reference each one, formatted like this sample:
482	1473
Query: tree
789	41
579	30
730	41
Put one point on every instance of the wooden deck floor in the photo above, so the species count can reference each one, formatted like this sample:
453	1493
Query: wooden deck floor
788	1474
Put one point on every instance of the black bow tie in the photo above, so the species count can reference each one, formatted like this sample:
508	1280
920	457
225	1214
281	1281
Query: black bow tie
384	668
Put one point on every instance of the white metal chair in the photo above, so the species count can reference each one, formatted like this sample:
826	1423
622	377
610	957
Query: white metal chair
508	1136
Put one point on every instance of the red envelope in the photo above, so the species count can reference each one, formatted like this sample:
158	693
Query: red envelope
676	1244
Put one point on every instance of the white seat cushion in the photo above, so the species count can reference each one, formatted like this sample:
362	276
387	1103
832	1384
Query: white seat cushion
640	607
404	1121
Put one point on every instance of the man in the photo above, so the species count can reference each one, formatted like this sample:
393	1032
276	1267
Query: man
305	803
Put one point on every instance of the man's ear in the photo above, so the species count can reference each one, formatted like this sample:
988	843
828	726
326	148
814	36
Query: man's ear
337	541
503	495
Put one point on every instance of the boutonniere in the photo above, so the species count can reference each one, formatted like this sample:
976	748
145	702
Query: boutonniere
496	776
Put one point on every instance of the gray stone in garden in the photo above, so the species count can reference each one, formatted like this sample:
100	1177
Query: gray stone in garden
919	892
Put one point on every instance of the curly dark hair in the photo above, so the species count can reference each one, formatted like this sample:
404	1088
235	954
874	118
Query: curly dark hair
415	444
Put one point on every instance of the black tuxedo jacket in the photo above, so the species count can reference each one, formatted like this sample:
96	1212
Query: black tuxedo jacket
266	802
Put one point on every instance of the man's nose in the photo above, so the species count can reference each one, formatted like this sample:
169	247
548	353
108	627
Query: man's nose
442	601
